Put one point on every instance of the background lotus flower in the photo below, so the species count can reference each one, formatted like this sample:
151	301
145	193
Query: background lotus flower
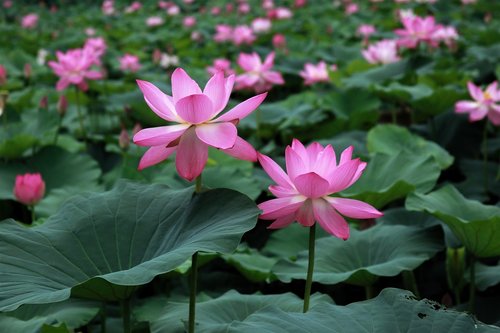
303	193
221	64
315	73
3	75
243	34
258	75
73	67
198	124
484	104
417	30
129	62
382	52
29	188
29	21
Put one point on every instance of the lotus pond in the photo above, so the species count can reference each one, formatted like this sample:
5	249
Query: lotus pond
250	166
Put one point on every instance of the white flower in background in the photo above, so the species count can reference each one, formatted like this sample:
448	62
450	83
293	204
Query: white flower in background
168	60
41	56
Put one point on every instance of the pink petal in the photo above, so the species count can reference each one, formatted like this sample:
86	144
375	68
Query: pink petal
156	136
243	109
282	222
280	191
494	114
62	84
192	155
305	214
325	161
274	171
268	62
216	91
242	150
295	164
195	109
465	106
492	89
358	173
299	148
311	185
354	208
155	155
346	155
313	151
183	85
276	208
93	75
343	175
475	91
157	101
218	135
273	77
330	220
479	113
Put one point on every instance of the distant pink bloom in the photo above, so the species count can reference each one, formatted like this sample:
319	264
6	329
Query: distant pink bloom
417	30
258	76
134	6
351	8
244	8
90	31
154	21
97	46
446	34
3	75
469	2
280	13
74	67
164	4
124	139
279	41
7	3
29	188
199	125
221	64
215	11
196	36
173	10
29	21
27	70
130	63
484	104
108	7
299	3
315	73
365	30
382	52
62	105
243	34
261	25
223	33
303	193
189	21
267	4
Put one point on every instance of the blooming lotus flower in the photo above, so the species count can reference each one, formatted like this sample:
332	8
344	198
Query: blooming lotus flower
130	63
29	21
446	34
108	7
382	52
73	67
97	46
417	30
154	21
365	30
315	73
261	25
220	64
279	41
29	188
134	6
303	193
258	76
484	104
351	8
189	21
280	13
243	34
223	33
198	124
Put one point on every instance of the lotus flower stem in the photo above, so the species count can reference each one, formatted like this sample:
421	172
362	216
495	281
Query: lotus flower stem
485	157
369	291
32	210
103	318
194	276
411	283
79	111
310	267
126	316
472	284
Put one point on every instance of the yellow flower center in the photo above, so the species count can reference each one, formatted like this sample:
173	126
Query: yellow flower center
486	95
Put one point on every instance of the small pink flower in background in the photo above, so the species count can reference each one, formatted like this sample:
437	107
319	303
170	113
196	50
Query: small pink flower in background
221	64
7	3
3	75
469	2
196	36
484	104
315	73
267	4
90	31
303	193
27	71
299	3
382	52
243	34
279	41
134	6
173	10
261	25
154	21
124	139
130	63
223	33
351	8
29	21
280	13
215	11
97	46
198	124
189	21
365	31
62	105
29	188
244	8
258	76
108	7
446	34
417	30
74	67
163	4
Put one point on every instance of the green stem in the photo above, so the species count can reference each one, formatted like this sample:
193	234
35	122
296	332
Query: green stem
394	116
192	294
103	318
80	115
369	291
456	291
33	216
472	285
59	124
410	282
126	316
310	267
485	156
197	188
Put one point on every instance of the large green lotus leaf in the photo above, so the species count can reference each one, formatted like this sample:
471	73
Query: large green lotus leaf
476	225
102	246
217	315
58	167
251	263
486	276
378	251
476	179
402	93
391	177
393	310
377	74
31	318
393	139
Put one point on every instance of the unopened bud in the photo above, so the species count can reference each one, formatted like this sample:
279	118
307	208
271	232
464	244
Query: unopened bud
44	103
156	56
62	105
27	71
3	100
124	139
3	75
136	129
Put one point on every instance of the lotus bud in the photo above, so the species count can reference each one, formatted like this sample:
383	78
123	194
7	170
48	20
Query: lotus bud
29	188
62	105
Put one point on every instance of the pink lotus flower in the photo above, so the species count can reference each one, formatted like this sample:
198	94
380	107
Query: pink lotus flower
108	7
221	64
173	10
97	46
315	73
417	30
29	188
189	21
258	76
279	41
303	193
3	75
382	52
280	13
242	34
198	125
223	33
446	34
365	30
7	3
261	25
154	21
244	8
130	63
484	104
351	8
134	6
29	21
73	67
